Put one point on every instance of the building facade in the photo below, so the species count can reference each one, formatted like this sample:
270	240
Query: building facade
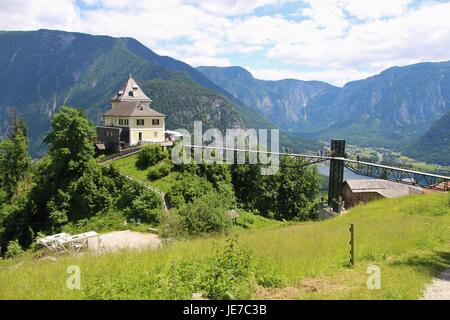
131	121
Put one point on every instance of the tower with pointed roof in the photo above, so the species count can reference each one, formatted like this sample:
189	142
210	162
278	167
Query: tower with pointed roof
131	118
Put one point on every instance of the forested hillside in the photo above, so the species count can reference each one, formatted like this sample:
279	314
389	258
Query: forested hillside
434	145
386	110
45	69
69	190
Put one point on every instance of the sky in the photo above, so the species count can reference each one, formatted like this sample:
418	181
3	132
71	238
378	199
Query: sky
329	40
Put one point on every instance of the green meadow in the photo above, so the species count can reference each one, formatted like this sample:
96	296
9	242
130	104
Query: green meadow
407	238
127	166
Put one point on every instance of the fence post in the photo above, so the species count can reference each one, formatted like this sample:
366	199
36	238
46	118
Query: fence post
352	244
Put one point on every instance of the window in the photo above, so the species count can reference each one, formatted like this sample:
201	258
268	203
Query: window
140	122
155	122
123	122
131	94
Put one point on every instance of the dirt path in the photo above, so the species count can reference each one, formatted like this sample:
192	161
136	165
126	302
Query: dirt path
439	289
122	240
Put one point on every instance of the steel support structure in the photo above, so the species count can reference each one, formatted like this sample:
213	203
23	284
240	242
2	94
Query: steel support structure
336	171
405	176
338	161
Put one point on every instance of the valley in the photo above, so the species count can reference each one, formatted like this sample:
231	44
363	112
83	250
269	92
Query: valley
371	113
390	110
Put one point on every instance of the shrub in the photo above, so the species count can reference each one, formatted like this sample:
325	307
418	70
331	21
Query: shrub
181	280
13	250
146	207
229	275
187	189
159	171
153	174
165	168
150	155
206	215
102	222
171	225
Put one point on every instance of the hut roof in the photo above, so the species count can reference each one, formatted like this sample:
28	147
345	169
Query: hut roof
233	214
387	189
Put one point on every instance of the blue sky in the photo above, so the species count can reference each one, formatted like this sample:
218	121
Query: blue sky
330	40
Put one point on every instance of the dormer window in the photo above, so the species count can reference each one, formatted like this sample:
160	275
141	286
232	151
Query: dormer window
131	94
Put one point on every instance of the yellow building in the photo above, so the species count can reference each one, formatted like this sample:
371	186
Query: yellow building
131	121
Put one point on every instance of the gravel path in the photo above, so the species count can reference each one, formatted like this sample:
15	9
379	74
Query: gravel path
121	240
439	289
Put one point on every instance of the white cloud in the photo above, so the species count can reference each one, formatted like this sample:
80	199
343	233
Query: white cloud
26	15
341	37
231	7
373	9
422	34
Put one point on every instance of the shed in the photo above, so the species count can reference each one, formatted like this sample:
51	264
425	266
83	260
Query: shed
366	190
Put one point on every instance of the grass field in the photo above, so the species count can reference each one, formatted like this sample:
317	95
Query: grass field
127	165
408	238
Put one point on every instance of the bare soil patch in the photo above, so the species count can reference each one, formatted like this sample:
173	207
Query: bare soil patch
439	289
125	240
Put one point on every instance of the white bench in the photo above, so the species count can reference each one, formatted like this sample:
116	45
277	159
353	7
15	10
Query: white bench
52	242
64	242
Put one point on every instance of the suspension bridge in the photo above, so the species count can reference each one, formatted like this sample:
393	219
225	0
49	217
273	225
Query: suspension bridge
338	161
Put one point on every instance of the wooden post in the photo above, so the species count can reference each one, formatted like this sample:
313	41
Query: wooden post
352	244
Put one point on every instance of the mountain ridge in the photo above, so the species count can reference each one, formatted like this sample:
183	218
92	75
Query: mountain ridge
48	68
389	109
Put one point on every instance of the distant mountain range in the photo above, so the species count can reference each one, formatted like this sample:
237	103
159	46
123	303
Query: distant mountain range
44	69
391	109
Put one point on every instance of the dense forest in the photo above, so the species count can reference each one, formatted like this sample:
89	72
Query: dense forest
71	190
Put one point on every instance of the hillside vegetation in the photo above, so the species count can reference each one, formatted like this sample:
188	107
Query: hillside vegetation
47	69
434	145
69	191
408	238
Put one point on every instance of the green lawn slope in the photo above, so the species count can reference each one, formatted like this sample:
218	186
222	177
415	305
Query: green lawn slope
407	238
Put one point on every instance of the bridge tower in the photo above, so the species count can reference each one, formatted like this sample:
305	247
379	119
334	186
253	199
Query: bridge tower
336	171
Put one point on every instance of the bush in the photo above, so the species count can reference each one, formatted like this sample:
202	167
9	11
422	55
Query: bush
102	222
150	155
165	168
171	225
153	174
13	250
206	215
229	275
146	207
159	171
187	189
